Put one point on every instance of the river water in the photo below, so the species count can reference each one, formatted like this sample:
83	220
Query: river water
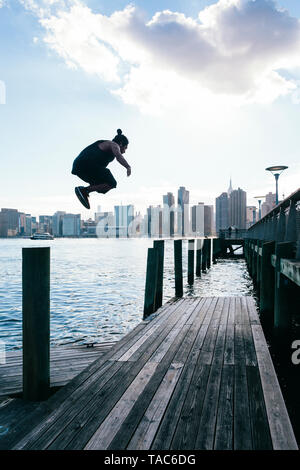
97	286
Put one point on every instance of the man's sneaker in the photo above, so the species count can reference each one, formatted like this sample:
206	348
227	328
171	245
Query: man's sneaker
82	196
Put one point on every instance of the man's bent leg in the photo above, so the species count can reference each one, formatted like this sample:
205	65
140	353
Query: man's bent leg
100	188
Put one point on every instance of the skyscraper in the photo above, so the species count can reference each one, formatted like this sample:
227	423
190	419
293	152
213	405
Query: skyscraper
124	215
222	207
197	217
208	221
71	225
237	208
183	206
57	223
168	215
9	222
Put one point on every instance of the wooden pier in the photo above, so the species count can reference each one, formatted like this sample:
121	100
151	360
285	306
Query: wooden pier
65	363
196	375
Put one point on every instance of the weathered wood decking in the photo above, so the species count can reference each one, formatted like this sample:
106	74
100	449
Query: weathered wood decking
197	376
65	364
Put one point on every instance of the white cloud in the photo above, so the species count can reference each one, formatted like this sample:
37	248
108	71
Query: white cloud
235	52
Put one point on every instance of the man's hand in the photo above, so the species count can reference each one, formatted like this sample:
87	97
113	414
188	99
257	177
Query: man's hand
129	171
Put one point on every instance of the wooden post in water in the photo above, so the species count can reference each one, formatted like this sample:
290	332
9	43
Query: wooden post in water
282	306
209	241
151	282
191	257
204	255
159	246
36	323
266	301
199	257
178	268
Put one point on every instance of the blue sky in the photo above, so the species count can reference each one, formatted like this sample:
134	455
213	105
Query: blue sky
200	99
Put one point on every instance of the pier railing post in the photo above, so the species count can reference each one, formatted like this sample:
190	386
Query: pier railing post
282	305
36	323
266	301
151	282
191	257
209	250
178	268
199	257
159	246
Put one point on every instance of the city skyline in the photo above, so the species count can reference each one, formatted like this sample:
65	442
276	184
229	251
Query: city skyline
212	111
164	220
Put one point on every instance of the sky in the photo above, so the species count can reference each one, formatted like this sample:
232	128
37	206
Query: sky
204	90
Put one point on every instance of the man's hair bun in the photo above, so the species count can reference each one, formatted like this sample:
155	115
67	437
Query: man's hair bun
119	132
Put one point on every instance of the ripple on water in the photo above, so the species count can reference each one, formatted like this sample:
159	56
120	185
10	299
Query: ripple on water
97	287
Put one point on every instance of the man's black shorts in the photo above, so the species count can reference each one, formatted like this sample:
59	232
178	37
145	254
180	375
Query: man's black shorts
97	175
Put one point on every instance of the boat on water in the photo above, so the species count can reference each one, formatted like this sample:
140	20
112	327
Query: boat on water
42	236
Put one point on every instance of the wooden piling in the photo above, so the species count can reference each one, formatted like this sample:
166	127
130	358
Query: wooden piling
178	268
199	257
191	257
282	316
159	246
209	250
266	301
204	255
151	282
36	323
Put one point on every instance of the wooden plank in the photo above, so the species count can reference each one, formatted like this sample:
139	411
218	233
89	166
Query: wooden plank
90	418
112	423
131	422
148	426
261	439
252	311
279	422
242	439
224	425
229	342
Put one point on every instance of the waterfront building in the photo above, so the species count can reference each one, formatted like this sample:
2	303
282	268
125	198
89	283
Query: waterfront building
209	229
183	213
71	225
28	225
268	204
250	216
237	208
197	220
45	224
57	225
9	222
168	215
222	211
124	216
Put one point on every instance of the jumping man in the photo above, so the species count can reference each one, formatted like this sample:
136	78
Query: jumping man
91	163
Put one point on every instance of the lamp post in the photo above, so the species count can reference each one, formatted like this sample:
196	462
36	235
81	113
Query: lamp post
276	171
259	205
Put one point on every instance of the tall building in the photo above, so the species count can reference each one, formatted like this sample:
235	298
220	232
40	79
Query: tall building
124	215
208	221
268	204
28	226
57	224
251	216
222	211
237	208
183	206
168	215
197	220
71	224
45	223
9	222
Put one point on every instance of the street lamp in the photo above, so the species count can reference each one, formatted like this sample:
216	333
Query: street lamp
259	203
276	171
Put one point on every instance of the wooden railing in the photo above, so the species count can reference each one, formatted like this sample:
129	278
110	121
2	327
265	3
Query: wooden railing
272	251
